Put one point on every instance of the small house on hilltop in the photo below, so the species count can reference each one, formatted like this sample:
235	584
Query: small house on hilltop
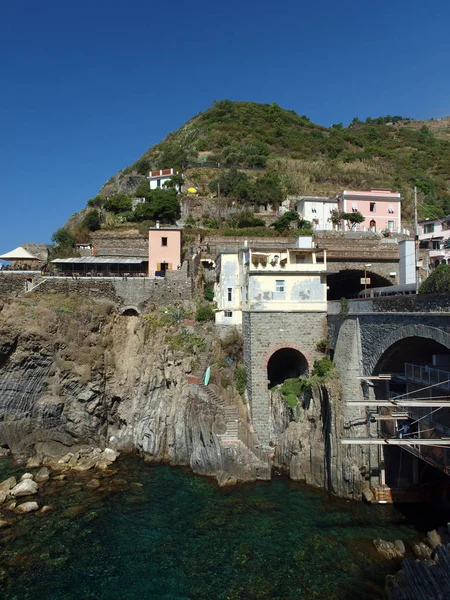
158	178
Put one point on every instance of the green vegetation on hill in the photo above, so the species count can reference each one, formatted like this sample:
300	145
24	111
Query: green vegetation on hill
266	153
388	151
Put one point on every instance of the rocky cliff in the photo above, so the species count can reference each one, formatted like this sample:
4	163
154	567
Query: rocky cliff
74	372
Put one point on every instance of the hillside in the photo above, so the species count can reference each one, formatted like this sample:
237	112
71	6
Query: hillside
311	159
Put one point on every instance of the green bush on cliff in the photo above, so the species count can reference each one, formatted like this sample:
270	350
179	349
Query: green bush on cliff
204	313
291	390
240	378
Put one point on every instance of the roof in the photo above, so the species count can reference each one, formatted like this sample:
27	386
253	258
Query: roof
18	254
98	260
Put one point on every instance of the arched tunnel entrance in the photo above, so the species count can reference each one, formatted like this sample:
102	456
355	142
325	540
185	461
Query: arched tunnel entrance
347	283
286	363
420	370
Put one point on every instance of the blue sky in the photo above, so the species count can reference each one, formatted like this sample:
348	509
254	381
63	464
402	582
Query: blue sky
87	87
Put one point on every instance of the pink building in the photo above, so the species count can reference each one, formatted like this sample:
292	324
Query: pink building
164	249
380	208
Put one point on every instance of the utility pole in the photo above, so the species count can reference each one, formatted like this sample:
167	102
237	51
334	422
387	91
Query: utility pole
416	240
219	216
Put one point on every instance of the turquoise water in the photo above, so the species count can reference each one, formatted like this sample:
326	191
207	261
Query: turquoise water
166	534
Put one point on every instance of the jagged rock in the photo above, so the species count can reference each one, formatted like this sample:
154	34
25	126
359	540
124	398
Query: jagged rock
26	476
42	475
422	551
11	505
27	487
26	507
434	539
3	496
367	495
8	484
110	455
33	463
390	550
85	396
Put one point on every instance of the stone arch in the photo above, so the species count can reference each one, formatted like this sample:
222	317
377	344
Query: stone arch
286	361
130	311
424	331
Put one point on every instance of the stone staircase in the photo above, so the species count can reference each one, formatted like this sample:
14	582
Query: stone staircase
231	434
203	358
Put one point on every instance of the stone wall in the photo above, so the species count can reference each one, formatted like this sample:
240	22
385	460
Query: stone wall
120	243
264	333
422	303
175	288
13	285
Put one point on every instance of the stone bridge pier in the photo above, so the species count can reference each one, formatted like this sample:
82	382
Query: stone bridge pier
277	345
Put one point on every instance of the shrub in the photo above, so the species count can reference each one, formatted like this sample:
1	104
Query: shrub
240	377
322	367
291	390
322	346
208	294
233	345
91	220
204	313
437	282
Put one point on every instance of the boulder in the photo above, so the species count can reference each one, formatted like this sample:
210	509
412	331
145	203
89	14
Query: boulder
26	507
390	550
42	475
85	464
27	487
434	539
26	476
33	463
4	523
3	496
47	508
110	455
422	551
367	495
8	484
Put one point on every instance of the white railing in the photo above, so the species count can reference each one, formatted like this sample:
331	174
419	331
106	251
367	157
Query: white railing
427	375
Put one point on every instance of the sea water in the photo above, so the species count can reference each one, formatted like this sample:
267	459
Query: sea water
162	533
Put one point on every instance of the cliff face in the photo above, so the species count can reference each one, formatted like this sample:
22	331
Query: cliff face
73	373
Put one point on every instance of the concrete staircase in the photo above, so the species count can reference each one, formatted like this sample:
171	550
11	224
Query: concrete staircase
231	434
204	359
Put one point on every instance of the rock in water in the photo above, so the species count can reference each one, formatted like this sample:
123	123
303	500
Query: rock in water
8	484
33	462
26	507
42	475
26	476
390	550
27	487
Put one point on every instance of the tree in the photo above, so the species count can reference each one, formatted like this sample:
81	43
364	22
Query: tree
438	282
267	190
175	182
64	237
162	205
337	216
91	220
285	222
96	202
118	204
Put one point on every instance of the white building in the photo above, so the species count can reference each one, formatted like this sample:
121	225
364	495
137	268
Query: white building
317	211
434	235
158	178
293	279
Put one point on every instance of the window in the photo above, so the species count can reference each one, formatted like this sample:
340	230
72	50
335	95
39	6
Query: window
163	241
390	225
230	294
390	209
227	313
373	207
428	228
436	245
354	207
280	290
158	183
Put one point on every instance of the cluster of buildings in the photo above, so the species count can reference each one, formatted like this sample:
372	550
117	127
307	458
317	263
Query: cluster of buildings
381	209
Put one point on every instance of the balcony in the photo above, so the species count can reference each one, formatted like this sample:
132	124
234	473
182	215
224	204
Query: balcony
290	261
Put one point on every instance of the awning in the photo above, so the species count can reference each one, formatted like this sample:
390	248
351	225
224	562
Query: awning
98	260
18	254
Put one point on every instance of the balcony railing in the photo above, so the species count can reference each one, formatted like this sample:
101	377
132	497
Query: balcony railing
427	375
